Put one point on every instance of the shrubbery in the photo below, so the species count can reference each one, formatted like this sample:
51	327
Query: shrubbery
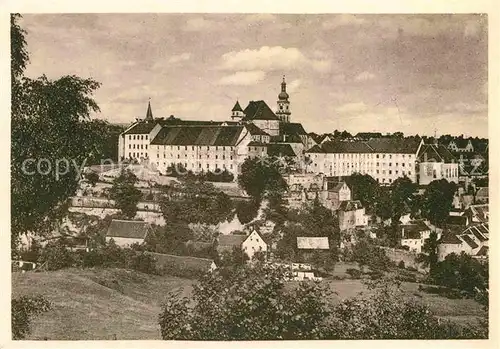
23	309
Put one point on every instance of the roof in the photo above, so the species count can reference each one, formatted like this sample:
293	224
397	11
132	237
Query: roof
435	153
413	230
237	107
280	149
255	131
258	110
483	192
449	238
313	243
480	211
188	262
456	220
483	251
350	205
128	229
198	135
149	113
292	128
142	127
376	145
172	121
469	241
230	240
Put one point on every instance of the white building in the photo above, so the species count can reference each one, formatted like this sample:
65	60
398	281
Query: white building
248	244
125	233
414	234
472	240
435	162
384	159
351	215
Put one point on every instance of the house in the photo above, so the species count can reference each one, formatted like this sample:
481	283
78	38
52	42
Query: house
248	244
414	234
478	213
334	192
194	264
313	243
351	215
472	240
125	233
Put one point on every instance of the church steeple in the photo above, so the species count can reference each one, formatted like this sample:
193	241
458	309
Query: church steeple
283	111
237	112
149	113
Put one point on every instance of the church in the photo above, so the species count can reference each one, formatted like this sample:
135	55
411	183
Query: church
216	146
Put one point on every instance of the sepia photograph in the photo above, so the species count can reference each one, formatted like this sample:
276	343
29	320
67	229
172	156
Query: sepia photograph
249	176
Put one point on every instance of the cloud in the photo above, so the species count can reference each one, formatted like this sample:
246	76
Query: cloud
352	107
180	58
200	24
364	76
272	58
243	78
294	85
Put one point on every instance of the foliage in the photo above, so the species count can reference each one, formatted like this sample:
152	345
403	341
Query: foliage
170	238
402	190
364	188
56	255
92	177
125	194
50	119
429	256
438	201
200	203
247	211
245	304
23	309
259	178
461	272
367	254
231	259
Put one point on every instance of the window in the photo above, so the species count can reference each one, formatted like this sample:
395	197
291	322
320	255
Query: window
146	137
223	148
231	166
134	137
142	147
390	163
223	157
157	155
178	156
142	137
146	146
216	157
377	156
133	146
130	146
129	137
390	156
208	165
178	148
208	148
231	157
192	148
403	164
216	148
129	155
185	147
199	165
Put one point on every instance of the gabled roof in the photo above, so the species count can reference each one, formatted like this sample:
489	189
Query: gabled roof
435	153
258	110
128	229
350	205
198	135
255	131
142	127
237	107
231	240
449	238
292	128
280	149
313	243
483	251
316	149
413	229
456	220
468	240
185	262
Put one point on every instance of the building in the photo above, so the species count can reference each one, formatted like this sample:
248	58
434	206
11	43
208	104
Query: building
255	131
313	243
351	215
248	244
414	234
461	145
335	191
472	240
385	159
125	233
435	162
166	262
478	213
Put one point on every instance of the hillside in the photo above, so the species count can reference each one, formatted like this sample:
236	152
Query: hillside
97	303
104	303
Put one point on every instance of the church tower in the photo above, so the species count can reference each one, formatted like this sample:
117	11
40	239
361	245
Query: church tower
149	113
283	112
237	113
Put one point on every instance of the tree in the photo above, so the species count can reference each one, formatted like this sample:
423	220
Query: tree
364	188
429	257
402	190
248	303
438	199
247	211
125	194
50	140
259	177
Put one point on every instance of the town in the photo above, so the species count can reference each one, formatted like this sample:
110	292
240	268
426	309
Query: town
253	208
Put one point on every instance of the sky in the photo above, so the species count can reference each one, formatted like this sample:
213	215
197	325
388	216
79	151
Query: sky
417	74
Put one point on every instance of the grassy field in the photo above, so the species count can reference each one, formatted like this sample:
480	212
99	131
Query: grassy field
122	304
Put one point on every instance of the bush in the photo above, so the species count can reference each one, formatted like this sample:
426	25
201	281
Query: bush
57	256
144	263
354	273
401	264
23	309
